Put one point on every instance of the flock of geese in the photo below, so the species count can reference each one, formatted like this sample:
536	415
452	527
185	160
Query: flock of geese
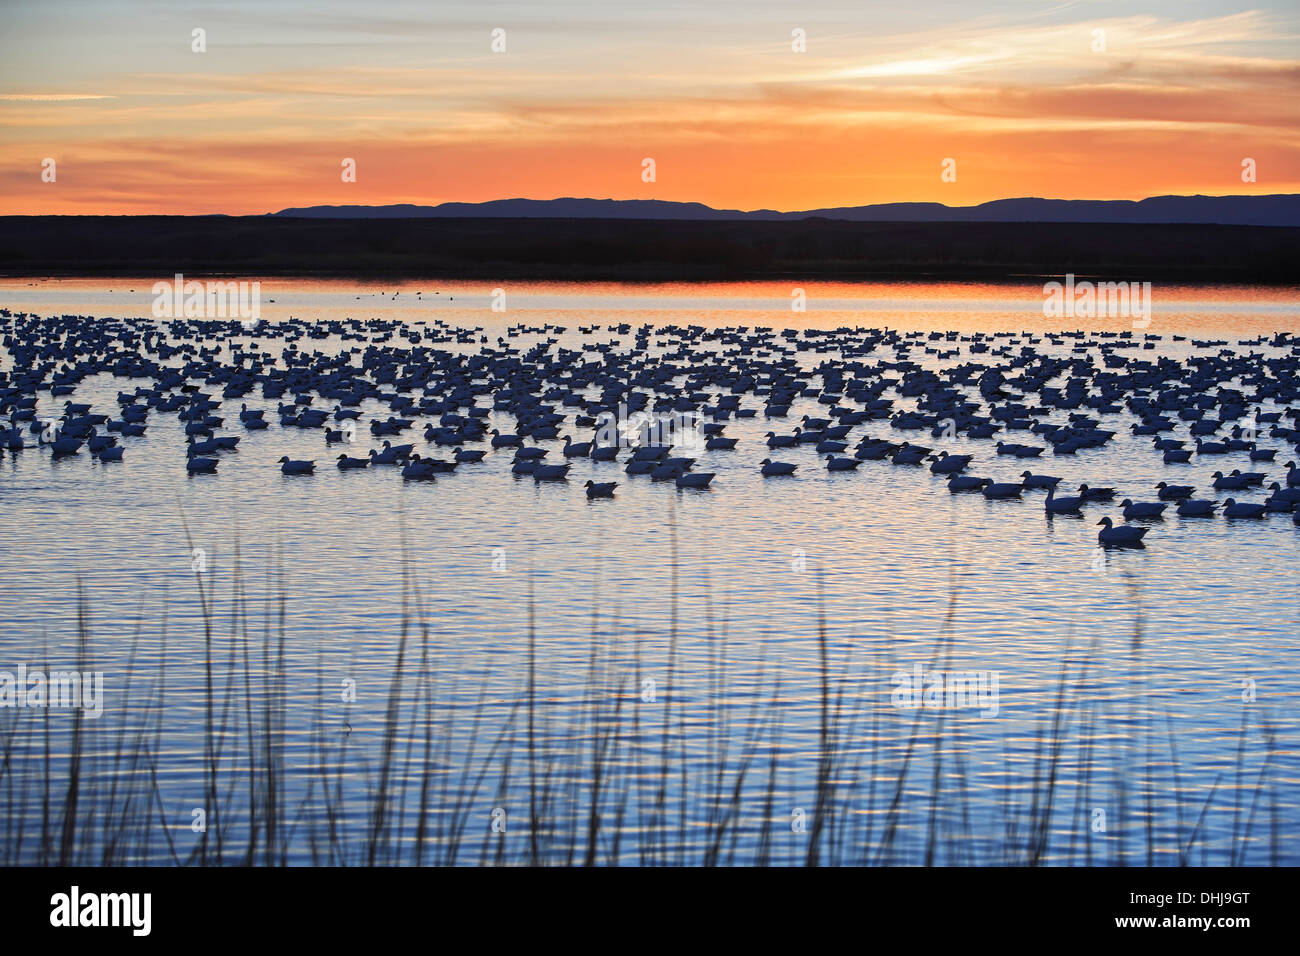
1054	391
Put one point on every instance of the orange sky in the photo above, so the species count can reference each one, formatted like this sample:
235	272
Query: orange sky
138	122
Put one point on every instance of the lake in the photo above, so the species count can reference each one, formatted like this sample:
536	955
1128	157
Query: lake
487	669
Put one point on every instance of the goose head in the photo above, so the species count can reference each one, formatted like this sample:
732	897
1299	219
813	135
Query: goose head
1105	521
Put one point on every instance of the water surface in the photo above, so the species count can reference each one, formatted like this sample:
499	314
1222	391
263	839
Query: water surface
717	597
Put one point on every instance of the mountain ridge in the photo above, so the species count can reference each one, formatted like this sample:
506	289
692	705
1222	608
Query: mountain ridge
1278	209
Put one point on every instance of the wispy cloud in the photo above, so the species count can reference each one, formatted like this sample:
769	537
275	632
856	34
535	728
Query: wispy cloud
51	97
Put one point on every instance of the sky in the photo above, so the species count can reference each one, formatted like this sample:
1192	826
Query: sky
953	101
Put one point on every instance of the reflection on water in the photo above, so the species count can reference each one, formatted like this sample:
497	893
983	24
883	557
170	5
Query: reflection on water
719	668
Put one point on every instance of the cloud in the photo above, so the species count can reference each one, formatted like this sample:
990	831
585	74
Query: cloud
734	119
51	97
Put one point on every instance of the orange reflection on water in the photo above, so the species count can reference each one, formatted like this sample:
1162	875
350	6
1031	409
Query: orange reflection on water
968	306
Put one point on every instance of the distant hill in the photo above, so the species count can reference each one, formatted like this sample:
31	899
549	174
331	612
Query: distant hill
1273	210
538	209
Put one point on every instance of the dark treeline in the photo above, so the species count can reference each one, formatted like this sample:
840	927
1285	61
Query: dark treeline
640	249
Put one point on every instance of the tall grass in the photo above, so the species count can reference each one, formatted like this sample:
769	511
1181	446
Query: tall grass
614	780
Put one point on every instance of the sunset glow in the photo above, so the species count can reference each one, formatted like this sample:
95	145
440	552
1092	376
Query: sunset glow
1028	102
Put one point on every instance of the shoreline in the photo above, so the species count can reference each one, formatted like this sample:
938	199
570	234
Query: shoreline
642	250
